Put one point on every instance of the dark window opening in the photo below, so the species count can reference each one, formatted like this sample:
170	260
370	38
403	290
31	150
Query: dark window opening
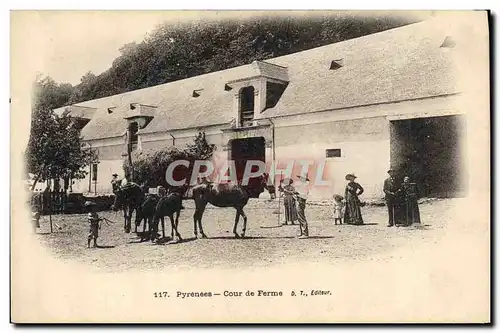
336	64
246	105
196	93
274	92
333	153
133	137
94	172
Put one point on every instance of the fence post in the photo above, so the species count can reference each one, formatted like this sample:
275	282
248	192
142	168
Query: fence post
51	197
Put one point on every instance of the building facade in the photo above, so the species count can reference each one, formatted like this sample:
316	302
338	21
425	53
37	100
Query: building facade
391	99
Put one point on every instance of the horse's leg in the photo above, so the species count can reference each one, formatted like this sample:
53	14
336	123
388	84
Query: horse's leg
125	218
163	226
236	220
195	226
202	209
144	221
137	221
177	213
242	213
153	229
172	225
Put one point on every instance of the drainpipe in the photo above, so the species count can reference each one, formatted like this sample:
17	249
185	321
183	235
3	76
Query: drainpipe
273	148
173	139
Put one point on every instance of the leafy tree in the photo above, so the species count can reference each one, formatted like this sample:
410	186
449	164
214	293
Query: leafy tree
201	149
150	166
174	52
55	149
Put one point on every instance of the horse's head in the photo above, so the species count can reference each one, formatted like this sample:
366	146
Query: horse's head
259	184
268	186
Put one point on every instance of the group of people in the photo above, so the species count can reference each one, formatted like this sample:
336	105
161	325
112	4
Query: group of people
401	199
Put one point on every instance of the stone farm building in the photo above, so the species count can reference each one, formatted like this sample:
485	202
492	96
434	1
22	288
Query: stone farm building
390	99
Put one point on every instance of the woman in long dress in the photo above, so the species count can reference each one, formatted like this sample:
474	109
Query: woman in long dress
289	202
353	190
410	210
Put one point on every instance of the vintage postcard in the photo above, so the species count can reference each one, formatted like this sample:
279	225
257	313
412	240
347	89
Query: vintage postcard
250	167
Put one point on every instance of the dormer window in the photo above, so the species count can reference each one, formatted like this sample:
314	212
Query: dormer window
247	112
336	64
273	93
448	42
197	92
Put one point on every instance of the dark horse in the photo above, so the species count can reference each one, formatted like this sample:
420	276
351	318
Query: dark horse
227	195
167	206
129	197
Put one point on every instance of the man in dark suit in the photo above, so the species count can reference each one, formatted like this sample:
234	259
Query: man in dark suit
391	188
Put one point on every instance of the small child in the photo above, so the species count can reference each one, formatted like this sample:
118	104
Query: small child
338	208
94	220
35	220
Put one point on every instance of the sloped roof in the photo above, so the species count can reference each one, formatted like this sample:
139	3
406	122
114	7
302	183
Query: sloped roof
393	65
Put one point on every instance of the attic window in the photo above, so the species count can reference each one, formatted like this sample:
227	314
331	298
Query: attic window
196	93
274	92
448	42
110	110
333	153
227	87
132	106
336	64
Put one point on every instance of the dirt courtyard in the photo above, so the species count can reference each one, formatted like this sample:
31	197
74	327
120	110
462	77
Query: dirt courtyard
265	243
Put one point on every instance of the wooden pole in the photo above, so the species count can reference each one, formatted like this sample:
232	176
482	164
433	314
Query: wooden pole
279	200
50	210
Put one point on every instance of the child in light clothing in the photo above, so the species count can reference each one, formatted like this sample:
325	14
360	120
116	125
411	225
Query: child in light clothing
338	208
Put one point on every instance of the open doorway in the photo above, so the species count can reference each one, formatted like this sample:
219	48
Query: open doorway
243	150
430	151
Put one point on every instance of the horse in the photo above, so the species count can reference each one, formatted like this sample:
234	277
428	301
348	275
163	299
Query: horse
147	212
227	195
129	197
167	206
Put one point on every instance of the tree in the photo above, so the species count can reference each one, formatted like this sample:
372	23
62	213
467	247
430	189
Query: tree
201	149
150	166
174	52
55	149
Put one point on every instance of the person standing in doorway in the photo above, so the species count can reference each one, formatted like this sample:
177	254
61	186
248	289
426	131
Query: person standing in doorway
391	191
302	194
411	212
353	190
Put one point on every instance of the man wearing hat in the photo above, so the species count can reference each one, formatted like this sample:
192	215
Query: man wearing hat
391	190
302	193
115	182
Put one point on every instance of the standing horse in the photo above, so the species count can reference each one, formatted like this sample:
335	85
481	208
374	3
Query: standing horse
167	206
129	198
147	212
227	195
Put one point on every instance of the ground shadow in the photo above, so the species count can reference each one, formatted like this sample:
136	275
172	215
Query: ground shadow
54	232
265	237
359	225
105	246
168	241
